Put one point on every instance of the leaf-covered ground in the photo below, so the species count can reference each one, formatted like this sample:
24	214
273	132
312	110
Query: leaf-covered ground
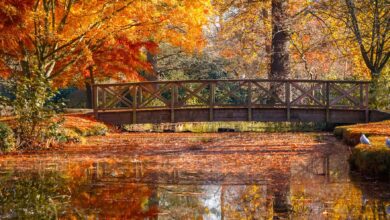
187	176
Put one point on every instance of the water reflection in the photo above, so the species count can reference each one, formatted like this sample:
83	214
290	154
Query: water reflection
311	184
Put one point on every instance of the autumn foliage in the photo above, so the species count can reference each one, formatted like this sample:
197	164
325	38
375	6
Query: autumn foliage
63	38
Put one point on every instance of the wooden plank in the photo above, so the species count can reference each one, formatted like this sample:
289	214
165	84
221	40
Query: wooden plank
249	101
173	98
212	101
366	102
306	93
235	80
327	94
239	114
344	94
288	100
193	93
361	95
154	95
231	92
267	91
95	100
135	91
120	97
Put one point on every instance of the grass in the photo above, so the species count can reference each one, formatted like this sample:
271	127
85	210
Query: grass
84	125
209	127
370	160
77	126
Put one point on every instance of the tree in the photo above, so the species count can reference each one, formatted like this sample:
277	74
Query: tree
365	23
46	44
372	37
365	26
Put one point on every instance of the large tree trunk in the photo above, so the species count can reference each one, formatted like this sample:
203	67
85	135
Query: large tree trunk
88	91
280	58
88	88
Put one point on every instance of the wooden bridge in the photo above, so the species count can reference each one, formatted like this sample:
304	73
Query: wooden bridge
234	100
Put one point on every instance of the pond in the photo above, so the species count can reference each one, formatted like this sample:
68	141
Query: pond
191	176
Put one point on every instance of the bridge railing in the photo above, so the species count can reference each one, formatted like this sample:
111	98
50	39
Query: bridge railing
211	94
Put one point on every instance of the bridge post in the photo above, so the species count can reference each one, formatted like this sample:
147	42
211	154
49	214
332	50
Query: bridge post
173	98
212	101
249	101
366	102
327	94
135	99
288	100
95	100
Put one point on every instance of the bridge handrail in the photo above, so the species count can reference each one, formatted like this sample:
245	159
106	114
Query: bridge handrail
233	80
241	93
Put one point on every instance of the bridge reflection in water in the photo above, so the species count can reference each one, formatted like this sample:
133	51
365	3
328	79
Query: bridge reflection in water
234	100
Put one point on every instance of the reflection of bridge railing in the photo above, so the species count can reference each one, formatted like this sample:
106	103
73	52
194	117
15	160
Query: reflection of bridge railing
174	97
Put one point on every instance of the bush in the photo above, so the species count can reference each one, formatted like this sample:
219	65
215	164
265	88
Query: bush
33	108
84	125
7	140
371	160
69	135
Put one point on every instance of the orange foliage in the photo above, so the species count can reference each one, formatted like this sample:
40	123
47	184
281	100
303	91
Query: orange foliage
66	39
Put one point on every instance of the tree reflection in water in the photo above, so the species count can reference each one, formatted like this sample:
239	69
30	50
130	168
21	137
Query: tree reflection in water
219	180
33	195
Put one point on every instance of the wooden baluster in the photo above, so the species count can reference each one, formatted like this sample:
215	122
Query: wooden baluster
176	94
327	85
366	102
135	104
173	98
288	100
140	98
361	96
95	100
104	98
212	101
249	101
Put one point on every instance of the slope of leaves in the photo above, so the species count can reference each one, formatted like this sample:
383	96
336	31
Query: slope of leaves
371	160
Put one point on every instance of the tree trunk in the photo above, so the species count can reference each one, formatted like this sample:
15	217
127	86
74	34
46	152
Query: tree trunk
374	91
280	58
88	91
88	88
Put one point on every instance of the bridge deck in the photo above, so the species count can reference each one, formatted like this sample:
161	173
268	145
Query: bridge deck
233	100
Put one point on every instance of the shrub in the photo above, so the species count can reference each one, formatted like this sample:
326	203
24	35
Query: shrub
69	135
84	125
33	108
7	140
371	160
